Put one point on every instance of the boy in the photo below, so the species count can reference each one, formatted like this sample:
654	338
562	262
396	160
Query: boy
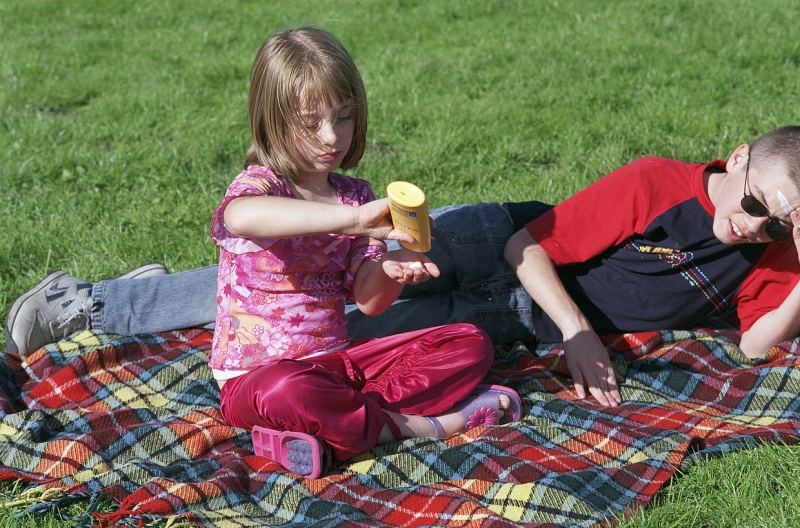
658	244
668	245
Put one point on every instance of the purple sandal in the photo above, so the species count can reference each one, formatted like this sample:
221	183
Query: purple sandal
302	454
480	408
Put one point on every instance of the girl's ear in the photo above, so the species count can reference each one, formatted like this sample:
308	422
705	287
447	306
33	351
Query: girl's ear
738	158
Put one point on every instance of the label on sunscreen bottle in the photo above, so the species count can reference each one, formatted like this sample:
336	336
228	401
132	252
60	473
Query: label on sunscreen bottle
410	214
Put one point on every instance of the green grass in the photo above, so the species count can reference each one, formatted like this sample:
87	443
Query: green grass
122	123
757	488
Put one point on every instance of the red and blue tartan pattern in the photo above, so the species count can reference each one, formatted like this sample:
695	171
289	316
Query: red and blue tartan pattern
136	418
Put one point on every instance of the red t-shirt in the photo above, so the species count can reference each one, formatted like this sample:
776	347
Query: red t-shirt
636	251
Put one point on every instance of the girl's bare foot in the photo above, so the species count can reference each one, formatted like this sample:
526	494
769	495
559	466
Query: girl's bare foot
487	405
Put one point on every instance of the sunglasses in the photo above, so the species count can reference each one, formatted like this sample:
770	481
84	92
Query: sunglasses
775	229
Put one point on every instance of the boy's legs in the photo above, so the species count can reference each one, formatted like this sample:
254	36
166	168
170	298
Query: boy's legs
57	307
467	246
156	304
476	284
504	313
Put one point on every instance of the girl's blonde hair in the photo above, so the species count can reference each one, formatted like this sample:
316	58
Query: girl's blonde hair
298	69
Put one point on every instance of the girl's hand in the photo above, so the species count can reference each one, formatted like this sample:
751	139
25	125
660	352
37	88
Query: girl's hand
408	267
374	220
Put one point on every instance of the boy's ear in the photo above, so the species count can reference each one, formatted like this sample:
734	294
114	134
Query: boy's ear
738	158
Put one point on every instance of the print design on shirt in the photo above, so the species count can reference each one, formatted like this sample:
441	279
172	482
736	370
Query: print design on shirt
689	271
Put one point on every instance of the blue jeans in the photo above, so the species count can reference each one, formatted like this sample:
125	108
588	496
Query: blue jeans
156	304
476	286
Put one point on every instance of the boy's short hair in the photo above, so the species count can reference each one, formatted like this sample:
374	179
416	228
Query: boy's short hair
295	69
779	148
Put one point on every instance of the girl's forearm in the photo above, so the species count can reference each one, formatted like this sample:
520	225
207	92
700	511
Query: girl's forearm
373	290
280	217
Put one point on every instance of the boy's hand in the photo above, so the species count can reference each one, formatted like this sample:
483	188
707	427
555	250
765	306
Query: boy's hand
588	363
584	353
408	267
795	218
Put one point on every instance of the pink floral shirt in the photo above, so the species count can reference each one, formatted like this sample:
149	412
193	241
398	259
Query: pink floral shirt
282	298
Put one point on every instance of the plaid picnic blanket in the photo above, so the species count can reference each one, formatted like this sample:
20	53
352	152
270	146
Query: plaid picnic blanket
134	419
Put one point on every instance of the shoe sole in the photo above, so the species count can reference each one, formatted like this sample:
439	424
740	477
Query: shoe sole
297	452
142	272
14	311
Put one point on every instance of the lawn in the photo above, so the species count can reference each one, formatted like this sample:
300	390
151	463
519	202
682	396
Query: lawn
122	123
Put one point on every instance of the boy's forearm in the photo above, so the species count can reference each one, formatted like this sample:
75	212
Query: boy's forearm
538	276
774	327
586	356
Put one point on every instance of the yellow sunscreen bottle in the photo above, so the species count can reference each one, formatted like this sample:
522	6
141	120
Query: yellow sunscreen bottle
410	214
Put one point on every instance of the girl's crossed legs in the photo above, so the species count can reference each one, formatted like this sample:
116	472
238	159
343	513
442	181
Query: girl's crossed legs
376	391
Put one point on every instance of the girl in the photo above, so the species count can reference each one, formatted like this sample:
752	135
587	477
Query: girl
295	240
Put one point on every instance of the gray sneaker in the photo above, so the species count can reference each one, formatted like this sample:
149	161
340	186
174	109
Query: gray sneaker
55	308
142	272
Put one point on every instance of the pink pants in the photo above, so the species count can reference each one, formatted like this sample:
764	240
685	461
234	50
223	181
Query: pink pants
342	397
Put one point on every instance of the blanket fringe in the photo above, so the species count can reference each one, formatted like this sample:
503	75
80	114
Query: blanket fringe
33	496
142	520
41	501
